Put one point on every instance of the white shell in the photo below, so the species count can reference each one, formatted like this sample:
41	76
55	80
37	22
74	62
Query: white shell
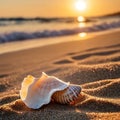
36	92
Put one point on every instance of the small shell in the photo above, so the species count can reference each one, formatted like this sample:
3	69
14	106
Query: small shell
67	95
36	92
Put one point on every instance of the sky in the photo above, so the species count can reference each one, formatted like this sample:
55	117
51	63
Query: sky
57	8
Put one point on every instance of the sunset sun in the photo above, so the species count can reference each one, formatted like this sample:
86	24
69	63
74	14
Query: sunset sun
80	5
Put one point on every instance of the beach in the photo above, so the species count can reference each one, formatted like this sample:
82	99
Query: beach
94	64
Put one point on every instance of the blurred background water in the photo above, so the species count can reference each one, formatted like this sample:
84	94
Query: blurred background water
19	29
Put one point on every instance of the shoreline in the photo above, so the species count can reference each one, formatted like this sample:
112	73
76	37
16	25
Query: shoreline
35	43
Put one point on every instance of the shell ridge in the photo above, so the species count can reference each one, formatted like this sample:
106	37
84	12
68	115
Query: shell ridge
76	90
73	91
69	95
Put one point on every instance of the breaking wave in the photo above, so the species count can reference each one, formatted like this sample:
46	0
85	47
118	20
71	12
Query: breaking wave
23	35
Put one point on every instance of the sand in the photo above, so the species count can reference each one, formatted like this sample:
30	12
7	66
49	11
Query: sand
94	64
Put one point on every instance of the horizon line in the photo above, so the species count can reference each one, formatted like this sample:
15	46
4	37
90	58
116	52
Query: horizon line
109	14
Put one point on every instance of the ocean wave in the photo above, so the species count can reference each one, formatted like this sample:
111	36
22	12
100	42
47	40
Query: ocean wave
9	21
22	35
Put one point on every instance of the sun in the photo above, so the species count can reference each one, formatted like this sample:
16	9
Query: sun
81	5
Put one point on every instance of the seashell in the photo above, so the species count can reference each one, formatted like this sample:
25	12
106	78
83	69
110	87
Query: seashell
36	92
67	95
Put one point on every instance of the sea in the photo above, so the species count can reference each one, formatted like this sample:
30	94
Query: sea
52	30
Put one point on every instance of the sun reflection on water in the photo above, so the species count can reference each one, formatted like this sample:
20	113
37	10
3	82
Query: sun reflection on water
81	25
82	35
82	21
